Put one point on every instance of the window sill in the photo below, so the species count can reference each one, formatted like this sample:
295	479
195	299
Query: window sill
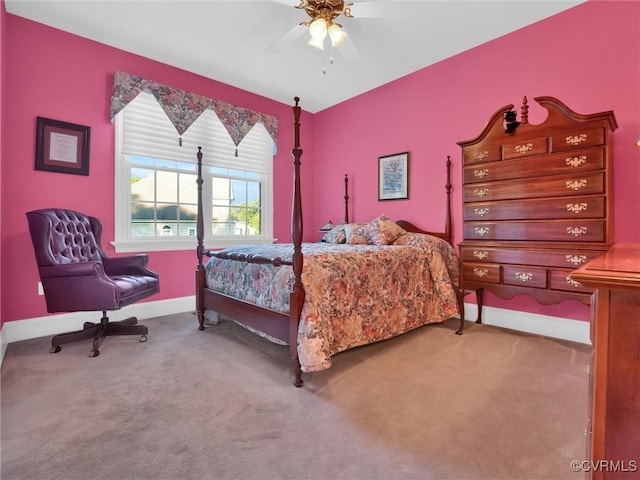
173	244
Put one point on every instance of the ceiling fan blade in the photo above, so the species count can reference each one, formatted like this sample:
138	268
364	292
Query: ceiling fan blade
348	50
290	3
380	9
368	8
293	35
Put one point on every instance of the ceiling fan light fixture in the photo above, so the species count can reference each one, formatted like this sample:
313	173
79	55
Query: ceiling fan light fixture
318	29
317	43
336	34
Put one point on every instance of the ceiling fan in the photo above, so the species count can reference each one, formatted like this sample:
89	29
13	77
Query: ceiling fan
321	23
325	31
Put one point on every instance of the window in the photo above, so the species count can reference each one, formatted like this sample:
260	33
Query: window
156	190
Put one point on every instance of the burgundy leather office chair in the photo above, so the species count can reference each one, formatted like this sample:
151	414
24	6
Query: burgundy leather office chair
77	275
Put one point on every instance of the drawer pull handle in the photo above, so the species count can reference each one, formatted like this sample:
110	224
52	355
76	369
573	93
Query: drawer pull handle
481	173
524	148
576	184
524	276
480	254
576	231
576	139
572	282
576	259
481	211
481	192
482	231
577	207
576	161
480	272
481	155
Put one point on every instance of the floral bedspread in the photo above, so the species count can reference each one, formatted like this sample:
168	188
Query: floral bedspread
354	294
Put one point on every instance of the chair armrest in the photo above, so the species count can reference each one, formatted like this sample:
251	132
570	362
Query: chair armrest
130	265
84	269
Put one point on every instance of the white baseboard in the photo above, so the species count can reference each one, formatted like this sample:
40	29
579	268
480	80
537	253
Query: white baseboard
53	324
554	327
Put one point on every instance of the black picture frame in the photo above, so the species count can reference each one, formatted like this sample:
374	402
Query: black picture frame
393	176
62	147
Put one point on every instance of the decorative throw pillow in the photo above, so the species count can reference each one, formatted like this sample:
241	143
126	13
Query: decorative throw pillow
335	235
357	233
383	231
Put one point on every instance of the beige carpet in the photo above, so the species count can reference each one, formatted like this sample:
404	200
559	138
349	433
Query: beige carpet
219	404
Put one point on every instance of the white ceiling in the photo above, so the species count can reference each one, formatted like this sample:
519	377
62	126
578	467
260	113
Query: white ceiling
258	46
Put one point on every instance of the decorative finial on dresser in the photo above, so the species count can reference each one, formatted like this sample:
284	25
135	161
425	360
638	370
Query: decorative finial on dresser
524	111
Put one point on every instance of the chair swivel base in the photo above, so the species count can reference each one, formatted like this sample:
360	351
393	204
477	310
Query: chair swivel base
98	331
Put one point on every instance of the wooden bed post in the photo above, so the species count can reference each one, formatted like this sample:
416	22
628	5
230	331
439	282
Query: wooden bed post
447	220
346	198
200	272
297	295
447	230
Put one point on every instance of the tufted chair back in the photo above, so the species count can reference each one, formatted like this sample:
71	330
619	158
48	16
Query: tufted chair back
64	236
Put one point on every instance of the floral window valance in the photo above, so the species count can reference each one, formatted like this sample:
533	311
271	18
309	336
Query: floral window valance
184	108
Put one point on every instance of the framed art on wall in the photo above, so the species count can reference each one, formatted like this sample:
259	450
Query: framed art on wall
62	147
393	176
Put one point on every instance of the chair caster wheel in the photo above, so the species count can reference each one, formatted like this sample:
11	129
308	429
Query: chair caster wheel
143	338
55	349
94	353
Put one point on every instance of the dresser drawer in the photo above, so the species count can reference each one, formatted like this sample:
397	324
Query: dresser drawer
555	164
577	139
484	272
480	153
537	230
542	208
561	280
557	185
524	275
527	148
566	256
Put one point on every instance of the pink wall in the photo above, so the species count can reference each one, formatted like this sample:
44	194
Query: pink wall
57	75
3	16
588	57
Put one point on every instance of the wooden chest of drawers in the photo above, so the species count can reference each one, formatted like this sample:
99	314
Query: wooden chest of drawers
536	202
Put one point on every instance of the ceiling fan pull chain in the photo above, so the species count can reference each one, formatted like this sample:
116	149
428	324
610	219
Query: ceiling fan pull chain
324	62
324	59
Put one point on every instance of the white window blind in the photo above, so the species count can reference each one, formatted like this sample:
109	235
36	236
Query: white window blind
147	131
144	130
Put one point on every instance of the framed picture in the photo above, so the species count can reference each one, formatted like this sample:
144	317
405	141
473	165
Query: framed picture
62	147
393	176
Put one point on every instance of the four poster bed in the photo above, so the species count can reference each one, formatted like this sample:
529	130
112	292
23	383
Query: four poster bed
362	284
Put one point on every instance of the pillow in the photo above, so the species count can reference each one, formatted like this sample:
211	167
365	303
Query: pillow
383	231
357	233
335	235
